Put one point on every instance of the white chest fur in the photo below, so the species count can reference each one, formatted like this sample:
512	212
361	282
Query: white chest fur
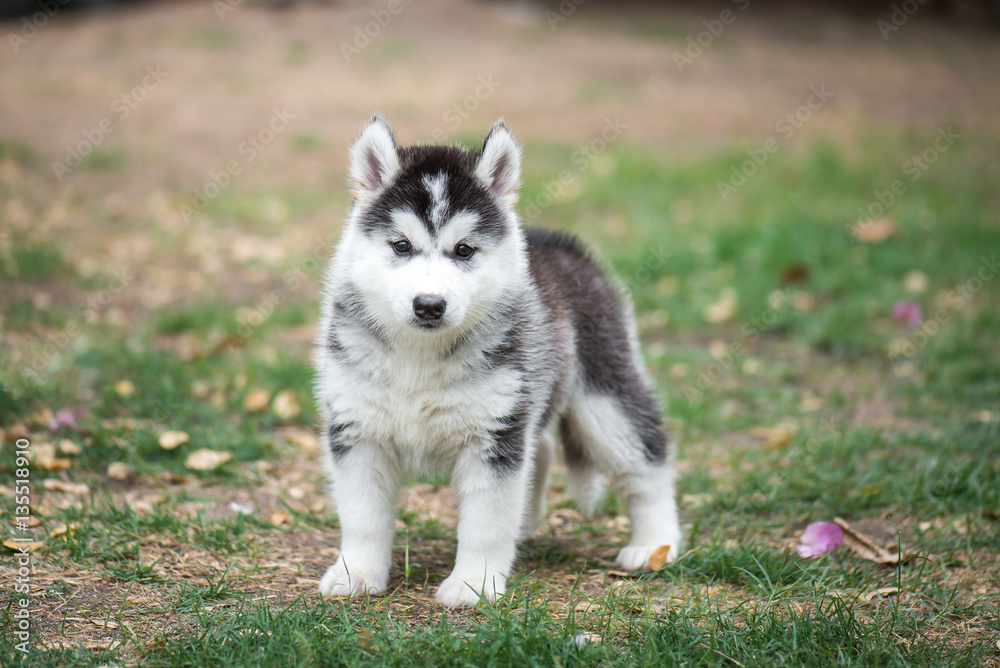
419	406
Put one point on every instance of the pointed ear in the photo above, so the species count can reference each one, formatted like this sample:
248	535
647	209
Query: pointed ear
499	164
374	159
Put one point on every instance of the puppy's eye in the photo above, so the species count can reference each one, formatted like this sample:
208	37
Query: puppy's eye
464	251
402	247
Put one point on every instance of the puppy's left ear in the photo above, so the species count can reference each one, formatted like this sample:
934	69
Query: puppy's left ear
499	164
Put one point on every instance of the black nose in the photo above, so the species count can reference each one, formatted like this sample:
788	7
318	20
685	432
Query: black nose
429	307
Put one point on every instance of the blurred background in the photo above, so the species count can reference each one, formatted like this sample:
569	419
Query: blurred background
804	199
118	120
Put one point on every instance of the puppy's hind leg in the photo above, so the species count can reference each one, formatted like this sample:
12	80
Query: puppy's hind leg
652	511
535	512
583	480
626	441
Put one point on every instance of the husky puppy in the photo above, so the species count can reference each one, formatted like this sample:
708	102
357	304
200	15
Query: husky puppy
450	339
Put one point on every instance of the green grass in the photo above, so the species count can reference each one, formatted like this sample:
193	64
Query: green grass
910	446
830	632
32	261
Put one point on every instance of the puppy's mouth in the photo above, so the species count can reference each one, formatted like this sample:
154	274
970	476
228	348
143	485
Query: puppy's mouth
430	325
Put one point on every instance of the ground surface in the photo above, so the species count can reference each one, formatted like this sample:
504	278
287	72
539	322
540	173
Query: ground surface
146	291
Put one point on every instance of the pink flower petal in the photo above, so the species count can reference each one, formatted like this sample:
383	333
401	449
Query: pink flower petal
63	418
819	537
907	312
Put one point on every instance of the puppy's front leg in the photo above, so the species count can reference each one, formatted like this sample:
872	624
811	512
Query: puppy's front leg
491	485
365	487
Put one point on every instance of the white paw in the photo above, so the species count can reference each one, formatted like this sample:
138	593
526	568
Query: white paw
636	557
456	590
340	580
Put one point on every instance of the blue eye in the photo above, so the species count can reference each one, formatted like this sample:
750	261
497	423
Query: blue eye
402	247
464	251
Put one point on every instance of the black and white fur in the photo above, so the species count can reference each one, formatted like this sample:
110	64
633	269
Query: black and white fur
430	356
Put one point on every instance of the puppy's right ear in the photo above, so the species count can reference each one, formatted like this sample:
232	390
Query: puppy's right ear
374	159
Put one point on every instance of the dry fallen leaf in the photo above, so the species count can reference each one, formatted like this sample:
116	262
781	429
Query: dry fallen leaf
777	436
46	416
68	447
915	282
68	487
171	439
30	521
105	624
778	440
18	430
59	464
286	406
42	455
864	547
124	388
794	273
256	400
279	517
803	301
201	389
364	639
204	459
622	574
58	531
304	438
879	593
19	545
118	470
873	231
723	309
810	403
658	558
